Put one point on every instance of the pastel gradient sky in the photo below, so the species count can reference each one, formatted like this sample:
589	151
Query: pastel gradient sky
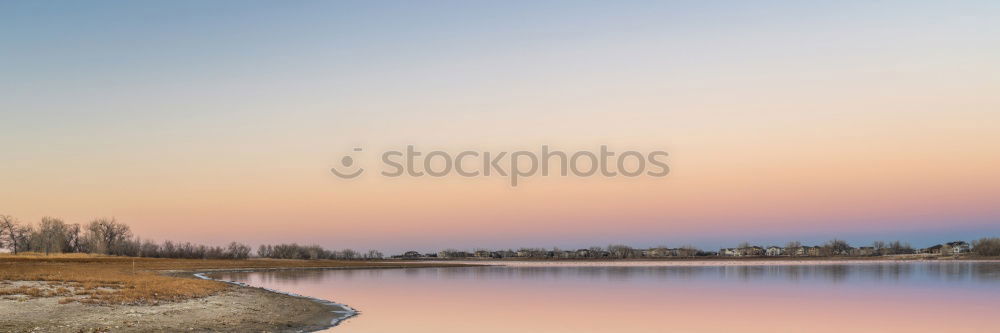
213	121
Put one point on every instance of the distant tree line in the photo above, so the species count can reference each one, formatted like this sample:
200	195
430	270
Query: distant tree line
614	251
296	251
890	248
102	236
108	236
834	247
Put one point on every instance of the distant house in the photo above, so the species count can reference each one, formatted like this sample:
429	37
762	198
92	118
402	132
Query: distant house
845	252
753	251
959	247
482	254
661	252
774	251
523	253
411	255
813	251
583	253
956	247
796	251
563	254
729	252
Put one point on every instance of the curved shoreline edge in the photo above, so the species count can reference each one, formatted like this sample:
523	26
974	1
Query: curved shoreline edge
342	311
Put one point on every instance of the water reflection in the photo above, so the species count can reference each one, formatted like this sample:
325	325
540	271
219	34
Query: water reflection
642	297
830	273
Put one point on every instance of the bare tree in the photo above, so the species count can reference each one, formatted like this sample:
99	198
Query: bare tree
108	235
237	251
879	247
620	251
835	247
595	251
149	249
73	238
792	248
13	234
7	223
348	254
373	254
264	251
897	247
687	251
52	235
168	250
989	246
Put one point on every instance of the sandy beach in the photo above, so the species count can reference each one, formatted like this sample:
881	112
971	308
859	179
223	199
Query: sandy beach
236	309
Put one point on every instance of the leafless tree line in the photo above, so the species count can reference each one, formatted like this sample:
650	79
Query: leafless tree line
108	236
989	246
52	235
614	251
296	251
102	236
890	248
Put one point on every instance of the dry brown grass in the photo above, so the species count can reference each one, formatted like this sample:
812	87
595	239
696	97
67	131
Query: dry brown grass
103	283
22	290
95	279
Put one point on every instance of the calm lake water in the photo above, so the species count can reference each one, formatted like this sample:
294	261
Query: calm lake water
658	297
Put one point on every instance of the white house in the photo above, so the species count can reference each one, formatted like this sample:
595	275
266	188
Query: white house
730	252
959	247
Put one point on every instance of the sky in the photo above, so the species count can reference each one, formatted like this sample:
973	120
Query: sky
784	120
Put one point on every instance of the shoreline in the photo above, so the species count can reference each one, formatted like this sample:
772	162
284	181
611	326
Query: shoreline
708	263
751	260
338	312
334	313
901	257
60	294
